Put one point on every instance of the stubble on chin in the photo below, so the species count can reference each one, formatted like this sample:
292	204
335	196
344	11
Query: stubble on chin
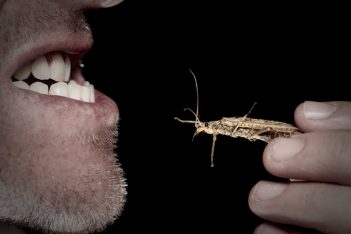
62	183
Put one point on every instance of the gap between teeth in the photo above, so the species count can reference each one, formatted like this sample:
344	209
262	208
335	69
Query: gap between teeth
56	67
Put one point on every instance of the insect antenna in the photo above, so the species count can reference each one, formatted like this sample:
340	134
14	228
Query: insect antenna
197	96
197	120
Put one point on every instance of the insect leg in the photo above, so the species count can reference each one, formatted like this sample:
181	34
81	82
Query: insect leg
244	117
214	138
271	134
260	131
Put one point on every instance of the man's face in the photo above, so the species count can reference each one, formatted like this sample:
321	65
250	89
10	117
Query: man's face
58	170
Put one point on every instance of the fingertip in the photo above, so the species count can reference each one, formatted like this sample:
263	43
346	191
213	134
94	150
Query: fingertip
267	152
264	196
302	113
299	115
312	115
266	228
252	199
268	162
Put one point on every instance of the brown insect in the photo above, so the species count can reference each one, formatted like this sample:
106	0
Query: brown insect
249	128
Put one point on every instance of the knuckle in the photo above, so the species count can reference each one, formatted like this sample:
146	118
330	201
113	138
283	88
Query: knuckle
311	197
339	156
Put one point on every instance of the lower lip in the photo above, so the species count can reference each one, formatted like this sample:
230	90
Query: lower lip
104	110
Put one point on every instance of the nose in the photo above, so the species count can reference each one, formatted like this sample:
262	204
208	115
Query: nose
110	3
83	4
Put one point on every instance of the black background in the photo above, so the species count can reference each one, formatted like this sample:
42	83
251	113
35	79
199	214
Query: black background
277	55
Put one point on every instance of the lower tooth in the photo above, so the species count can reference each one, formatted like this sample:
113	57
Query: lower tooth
39	88
85	93
92	94
74	90
21	84
59	89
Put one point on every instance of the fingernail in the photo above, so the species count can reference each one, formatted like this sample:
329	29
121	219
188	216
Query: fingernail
284	149
265	190
268	229
110	3
318	110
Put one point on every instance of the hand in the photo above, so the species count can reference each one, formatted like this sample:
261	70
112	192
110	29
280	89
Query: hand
318	162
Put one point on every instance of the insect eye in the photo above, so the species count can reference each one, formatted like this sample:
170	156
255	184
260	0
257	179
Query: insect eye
206	125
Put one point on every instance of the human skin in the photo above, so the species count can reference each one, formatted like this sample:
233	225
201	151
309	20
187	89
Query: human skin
319	164
58	169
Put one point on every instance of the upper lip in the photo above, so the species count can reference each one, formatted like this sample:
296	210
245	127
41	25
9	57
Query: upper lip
74	44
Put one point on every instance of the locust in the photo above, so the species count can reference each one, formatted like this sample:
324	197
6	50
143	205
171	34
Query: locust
249	128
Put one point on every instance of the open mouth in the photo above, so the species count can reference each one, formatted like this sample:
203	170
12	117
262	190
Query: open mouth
55	73
47	73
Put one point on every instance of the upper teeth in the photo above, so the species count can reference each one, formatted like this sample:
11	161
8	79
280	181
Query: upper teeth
58	68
